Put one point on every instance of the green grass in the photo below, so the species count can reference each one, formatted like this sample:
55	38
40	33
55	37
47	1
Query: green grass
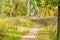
50	33
13	28
59	36
19	27
50	29
15	35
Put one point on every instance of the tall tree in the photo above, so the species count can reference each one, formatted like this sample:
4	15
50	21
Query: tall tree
10	8
2	5
28	7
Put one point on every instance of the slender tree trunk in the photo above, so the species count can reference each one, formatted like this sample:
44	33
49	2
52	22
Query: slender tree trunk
36	7
43	8
28	7
10	8
2	5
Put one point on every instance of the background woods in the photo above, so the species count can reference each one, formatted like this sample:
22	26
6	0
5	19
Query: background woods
22	17
42	8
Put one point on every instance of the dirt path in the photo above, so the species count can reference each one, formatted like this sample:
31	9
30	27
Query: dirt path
32	34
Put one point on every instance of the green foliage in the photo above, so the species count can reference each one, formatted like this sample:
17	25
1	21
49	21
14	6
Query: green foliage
50	31
14	26
22	8
11	28
58	2
49	34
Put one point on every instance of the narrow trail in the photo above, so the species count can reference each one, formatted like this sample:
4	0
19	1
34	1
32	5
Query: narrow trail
32	34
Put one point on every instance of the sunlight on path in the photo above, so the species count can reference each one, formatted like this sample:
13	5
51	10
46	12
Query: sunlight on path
32	34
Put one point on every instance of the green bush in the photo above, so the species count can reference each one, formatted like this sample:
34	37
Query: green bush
14	27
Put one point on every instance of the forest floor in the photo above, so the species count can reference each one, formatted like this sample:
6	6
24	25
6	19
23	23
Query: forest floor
33	34
37	32
34	29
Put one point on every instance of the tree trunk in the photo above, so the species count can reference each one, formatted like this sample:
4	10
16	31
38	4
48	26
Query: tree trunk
10	8
28	7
